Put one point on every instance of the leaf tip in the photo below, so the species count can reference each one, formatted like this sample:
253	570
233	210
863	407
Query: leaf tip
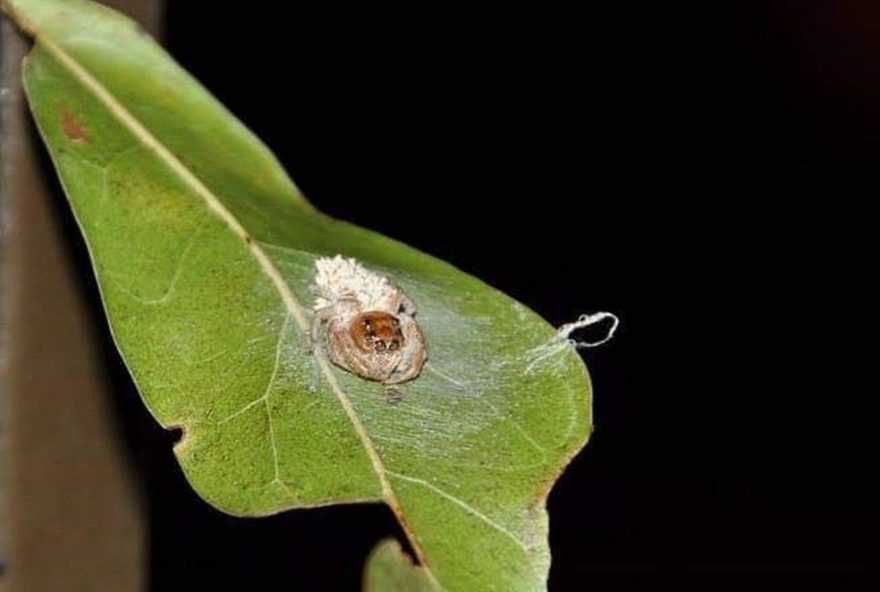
391	569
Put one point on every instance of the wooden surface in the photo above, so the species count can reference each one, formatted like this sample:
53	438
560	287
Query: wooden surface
70	516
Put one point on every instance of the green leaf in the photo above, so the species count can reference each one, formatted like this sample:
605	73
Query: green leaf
204	250
389	569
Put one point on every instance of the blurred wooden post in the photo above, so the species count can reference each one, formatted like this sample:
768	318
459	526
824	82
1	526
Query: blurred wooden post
71	518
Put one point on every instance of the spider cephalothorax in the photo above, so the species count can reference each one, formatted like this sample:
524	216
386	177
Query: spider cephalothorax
370	329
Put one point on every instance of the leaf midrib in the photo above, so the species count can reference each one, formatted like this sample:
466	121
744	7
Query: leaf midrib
295	309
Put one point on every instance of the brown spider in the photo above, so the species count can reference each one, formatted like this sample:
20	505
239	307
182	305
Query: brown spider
370	329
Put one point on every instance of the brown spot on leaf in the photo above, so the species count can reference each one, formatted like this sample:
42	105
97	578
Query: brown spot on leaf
73	127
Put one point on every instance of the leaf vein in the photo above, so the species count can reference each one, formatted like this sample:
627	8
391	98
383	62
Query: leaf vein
464	505
268	389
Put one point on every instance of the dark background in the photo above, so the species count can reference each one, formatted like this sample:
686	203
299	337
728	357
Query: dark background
705	172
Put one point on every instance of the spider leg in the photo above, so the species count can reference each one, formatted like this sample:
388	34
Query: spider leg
321	316
413	354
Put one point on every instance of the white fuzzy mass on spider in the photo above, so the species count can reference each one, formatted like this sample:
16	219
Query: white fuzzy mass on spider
367	323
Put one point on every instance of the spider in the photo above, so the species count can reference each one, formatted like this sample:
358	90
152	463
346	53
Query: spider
368	322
